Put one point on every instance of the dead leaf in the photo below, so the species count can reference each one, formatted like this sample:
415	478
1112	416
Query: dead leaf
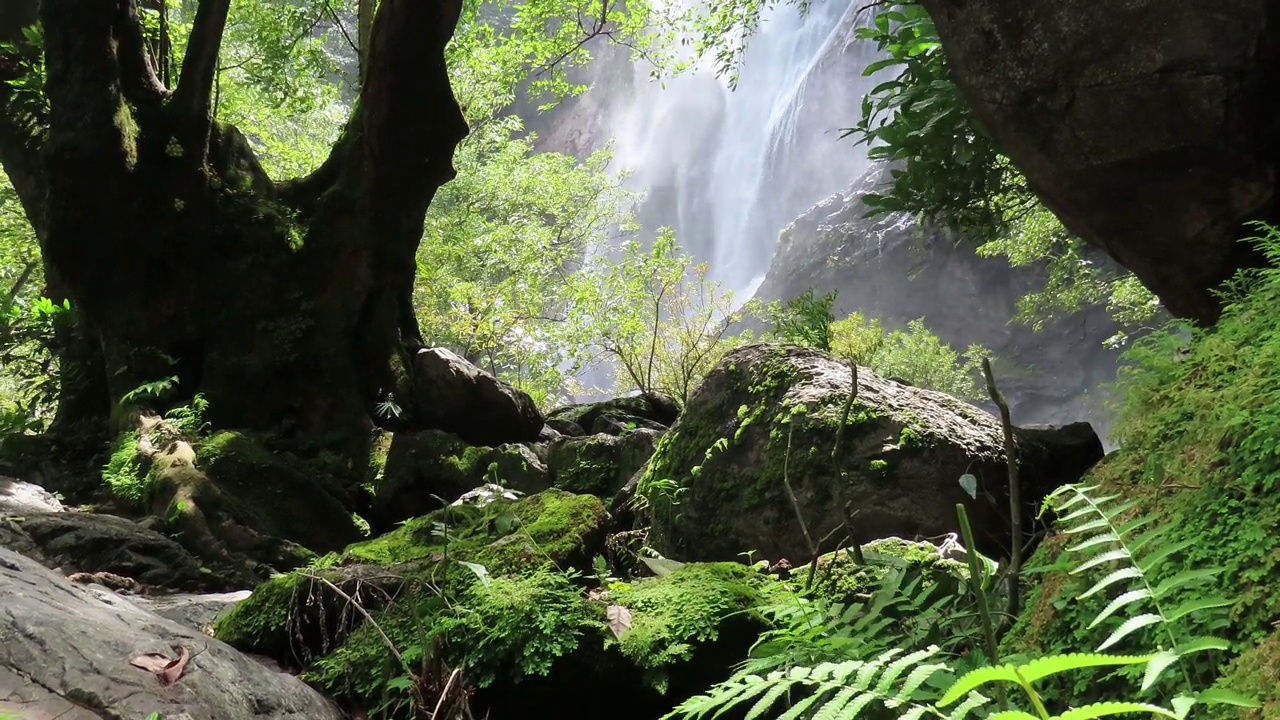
174	671
151	662
167	670
619	620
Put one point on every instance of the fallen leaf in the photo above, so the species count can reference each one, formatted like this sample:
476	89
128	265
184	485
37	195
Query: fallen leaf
619	620
167	670
175	670
151	662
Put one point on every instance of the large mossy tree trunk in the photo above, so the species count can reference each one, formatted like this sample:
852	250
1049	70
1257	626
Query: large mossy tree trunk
284	302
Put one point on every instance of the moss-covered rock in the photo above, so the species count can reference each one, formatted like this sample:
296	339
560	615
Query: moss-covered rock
599	464
839	579
533	640
701	607
230	492
652	407
424	467
768	414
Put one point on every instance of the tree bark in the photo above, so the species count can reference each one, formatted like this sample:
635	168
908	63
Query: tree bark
282	302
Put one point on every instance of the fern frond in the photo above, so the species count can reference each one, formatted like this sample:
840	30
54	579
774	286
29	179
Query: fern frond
828	691
1103	709
1110	579
1041	668
1120	601
1134	623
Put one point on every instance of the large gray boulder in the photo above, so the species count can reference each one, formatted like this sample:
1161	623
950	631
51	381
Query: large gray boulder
1147	126
600	464
65	653
453	395
770	414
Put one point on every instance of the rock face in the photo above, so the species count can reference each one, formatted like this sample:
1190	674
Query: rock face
460	398
769	413
434	463
890	268
654	408
36	525
600	464
1149	129
65	652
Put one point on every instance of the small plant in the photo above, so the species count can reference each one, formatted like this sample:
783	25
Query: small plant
804	320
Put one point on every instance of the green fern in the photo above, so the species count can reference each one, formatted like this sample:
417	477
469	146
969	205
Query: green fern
1133	555
922	683
836	691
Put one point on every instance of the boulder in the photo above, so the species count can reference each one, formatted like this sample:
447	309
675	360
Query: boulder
769	414
422	466
18	497
1148	129
892	268
66	654
453	395
599	464
656	408
565	427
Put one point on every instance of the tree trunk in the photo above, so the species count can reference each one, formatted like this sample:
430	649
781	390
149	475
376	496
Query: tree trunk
284	303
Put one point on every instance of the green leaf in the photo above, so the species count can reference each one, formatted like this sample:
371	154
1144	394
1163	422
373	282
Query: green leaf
1120	601
481	571
1102	709
975	679
1110	579
661	567
1128	626
1196	605
1158	665
1041	668
1223	696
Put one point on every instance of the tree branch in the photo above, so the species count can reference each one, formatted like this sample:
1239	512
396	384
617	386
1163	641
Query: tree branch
194	95
137	73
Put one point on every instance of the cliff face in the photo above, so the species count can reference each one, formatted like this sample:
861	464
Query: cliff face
890	268
1149	127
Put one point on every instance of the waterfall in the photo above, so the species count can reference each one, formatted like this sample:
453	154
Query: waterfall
727	169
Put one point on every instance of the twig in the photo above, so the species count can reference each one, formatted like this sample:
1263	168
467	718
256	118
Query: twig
795	505
445	692
854	546
360	609
1015	494
976	573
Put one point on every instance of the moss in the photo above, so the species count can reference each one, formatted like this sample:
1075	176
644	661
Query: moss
672	615
1256	674
840	579
277	493
261	621
586	465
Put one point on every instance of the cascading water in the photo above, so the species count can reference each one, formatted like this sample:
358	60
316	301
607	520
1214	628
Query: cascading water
727	169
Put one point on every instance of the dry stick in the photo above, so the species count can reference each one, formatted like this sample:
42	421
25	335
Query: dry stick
1015	495
854	545
360	609
795	505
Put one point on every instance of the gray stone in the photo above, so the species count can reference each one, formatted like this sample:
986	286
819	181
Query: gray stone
65	652
770	415
1149	128
455	396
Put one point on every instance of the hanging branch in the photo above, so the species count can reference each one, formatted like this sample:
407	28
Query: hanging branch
1015	495
854	546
